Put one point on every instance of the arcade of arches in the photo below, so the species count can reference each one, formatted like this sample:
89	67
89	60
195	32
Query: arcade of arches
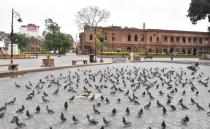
147	40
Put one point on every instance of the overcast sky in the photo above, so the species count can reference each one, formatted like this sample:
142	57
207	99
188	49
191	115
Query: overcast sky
157	14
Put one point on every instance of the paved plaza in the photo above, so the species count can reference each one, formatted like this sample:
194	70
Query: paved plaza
126	87
28	64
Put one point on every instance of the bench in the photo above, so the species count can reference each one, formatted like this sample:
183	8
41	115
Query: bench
10	66
74	62
148	57
119	60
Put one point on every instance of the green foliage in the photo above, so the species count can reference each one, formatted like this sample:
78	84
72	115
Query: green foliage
23	42
199	10
111	54
54	39
51	27
115	53
100	42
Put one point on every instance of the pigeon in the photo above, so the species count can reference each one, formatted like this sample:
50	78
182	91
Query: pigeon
126	123
21	109
62	117
38	109
185	120
3	108
147	106
12	101
107	100
49	111
140	112
56	91
16	120
192	68
127	111
106	122
163	125
208	113
199	107
72	98
66	105
168	101
159	104
92	98
173	107
2	114
192	100
45	100
18	86
95	110
102	127
28	114
184	107
91	121
164	110
75	120
114	111
45	94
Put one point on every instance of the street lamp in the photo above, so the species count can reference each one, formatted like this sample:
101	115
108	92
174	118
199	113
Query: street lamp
112	40
95	43
141	37
12	37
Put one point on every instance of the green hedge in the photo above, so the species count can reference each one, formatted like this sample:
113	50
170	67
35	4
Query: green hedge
106	54
128	53
115	53
34	52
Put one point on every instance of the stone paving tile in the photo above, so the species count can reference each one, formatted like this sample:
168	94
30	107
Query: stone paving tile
81	107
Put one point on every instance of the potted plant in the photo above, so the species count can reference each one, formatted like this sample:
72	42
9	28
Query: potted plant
48	62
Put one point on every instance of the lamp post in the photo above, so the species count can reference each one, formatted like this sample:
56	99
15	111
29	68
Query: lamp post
112	40
141	37
12	38
95	42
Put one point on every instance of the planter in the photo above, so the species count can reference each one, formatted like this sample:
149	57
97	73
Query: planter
47	62
101	61
208	56
203	57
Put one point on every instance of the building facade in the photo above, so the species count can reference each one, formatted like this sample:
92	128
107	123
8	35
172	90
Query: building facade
32	31
146	40
4	42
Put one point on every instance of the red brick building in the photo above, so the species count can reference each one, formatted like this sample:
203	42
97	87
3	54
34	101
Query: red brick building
146	40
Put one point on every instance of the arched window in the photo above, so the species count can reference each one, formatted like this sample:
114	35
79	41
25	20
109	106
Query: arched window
129	37
91	37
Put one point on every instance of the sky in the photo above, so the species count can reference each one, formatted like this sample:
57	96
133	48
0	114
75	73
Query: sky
157	14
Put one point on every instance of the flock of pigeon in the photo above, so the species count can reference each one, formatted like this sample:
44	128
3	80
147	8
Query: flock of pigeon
111	97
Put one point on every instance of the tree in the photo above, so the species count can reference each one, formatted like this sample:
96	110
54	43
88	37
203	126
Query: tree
91	16
54	39
100	42
23	42
199	10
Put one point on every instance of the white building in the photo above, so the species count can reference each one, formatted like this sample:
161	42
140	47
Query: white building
15	49
2	43
30	30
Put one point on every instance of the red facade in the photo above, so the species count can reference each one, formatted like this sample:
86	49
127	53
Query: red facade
146	40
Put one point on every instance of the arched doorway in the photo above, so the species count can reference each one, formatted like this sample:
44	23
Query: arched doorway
189	51
171	50
165	51
183	51
128	49
88	50
194	51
